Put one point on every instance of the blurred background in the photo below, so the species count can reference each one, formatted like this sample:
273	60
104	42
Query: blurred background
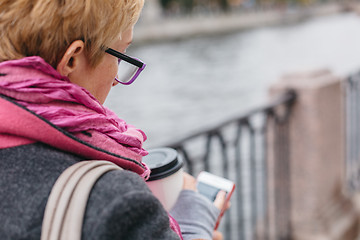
195	79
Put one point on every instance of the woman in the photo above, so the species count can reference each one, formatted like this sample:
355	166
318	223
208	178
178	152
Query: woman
58	62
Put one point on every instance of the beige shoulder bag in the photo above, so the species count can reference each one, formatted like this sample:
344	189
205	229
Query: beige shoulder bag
64	212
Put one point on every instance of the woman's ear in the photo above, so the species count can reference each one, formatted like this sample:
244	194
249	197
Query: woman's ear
71	58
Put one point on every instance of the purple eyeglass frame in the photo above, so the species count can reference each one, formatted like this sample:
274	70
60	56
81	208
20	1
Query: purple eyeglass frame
134	61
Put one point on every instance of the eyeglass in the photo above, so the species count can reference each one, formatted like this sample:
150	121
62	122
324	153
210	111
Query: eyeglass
129	68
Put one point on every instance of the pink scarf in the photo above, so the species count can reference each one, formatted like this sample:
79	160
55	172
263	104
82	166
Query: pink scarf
36	85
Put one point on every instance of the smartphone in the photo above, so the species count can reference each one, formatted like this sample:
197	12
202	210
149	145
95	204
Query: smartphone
209	185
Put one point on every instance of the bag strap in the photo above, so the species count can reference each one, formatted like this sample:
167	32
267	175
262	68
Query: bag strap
65	209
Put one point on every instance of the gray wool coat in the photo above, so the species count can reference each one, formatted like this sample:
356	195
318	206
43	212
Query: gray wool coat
120	205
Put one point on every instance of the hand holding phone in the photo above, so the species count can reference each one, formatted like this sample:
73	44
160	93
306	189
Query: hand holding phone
209	185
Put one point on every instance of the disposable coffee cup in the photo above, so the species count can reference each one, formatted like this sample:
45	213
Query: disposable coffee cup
166	178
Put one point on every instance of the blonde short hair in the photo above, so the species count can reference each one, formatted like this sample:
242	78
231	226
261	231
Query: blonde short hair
46	28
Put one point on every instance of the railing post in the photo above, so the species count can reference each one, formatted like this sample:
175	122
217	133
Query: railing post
319	207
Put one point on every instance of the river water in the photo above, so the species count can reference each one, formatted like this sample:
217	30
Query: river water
197	83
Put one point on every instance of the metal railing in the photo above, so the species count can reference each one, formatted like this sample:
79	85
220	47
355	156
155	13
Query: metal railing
352	93
237	149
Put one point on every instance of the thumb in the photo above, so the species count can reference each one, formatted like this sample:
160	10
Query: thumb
220	199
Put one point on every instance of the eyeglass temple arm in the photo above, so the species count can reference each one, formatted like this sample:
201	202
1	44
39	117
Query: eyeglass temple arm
125	57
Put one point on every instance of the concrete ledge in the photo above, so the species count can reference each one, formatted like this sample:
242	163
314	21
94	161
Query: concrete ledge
161	29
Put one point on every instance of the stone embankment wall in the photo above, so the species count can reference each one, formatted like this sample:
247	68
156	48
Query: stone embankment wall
321	207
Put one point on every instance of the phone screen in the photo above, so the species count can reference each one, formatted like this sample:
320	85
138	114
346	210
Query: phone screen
208	191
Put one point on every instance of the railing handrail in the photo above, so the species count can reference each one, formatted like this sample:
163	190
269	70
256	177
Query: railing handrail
287	98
